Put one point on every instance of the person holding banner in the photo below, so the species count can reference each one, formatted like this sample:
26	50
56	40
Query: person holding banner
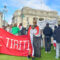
20	27
35	39
8	28
48	33
15	30
22	30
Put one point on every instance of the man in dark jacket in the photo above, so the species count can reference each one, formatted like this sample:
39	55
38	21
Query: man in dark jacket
48	33
22	30
54	41
57	38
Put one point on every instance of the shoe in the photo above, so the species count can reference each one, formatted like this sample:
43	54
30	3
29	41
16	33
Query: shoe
33	59
45	51
28	56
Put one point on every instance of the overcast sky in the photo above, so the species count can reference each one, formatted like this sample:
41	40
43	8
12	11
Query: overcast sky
13	5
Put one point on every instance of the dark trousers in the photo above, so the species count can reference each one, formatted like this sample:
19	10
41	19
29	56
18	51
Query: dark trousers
37	46
47	43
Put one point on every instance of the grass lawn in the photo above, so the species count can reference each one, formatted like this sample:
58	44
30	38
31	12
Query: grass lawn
45	56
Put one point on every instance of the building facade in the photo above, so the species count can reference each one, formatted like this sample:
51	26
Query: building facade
26	15
1	19
5	23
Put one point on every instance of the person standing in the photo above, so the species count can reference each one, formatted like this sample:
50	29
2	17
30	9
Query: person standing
54	41
11	28
22	30
7	28
20	27
57	38
15	29
47	31
35	39
4	27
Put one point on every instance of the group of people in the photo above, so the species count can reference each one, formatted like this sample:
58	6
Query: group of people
35	34
36	37
20	30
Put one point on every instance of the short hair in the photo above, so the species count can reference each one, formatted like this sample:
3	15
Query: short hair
15	25
47	24
21	24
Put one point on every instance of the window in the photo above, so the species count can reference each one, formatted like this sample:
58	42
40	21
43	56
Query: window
40	19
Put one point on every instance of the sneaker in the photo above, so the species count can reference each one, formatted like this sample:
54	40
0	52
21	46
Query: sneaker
33	59
45	51
28	56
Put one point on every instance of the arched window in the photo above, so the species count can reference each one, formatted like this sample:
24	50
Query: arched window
40	19
35	18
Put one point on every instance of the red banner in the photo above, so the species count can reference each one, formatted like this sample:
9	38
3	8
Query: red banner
14	45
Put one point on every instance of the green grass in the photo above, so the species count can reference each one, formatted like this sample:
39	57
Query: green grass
45	56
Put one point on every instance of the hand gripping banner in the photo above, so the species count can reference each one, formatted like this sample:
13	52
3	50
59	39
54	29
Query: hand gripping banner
14	45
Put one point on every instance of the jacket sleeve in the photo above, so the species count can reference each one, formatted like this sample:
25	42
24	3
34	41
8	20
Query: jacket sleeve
51	32
54	35
44	31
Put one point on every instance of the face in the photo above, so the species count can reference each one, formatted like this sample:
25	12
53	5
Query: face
34	23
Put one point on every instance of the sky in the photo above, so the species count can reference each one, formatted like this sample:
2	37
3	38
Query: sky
13	5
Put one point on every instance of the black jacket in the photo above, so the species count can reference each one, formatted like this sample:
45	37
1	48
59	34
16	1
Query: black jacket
47	31
53	33
57	34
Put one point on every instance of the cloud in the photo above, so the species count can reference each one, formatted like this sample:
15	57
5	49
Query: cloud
36	4
18	4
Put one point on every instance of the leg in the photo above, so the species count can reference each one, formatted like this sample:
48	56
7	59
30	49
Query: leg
49	47
45	44
34	44
32	47
39	47
57	50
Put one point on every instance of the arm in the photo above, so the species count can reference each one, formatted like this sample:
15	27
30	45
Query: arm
41	31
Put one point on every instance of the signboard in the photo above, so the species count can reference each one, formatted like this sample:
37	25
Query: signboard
14	45
42	23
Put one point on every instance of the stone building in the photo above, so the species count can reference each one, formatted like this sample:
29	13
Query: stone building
1	19
58	18
26	15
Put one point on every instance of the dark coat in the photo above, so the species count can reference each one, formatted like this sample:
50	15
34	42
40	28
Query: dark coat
57	34
53	33
23	31
47	31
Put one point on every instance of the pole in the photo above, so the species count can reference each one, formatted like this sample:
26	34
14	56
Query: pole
4	12
22	16
27	23
4	19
